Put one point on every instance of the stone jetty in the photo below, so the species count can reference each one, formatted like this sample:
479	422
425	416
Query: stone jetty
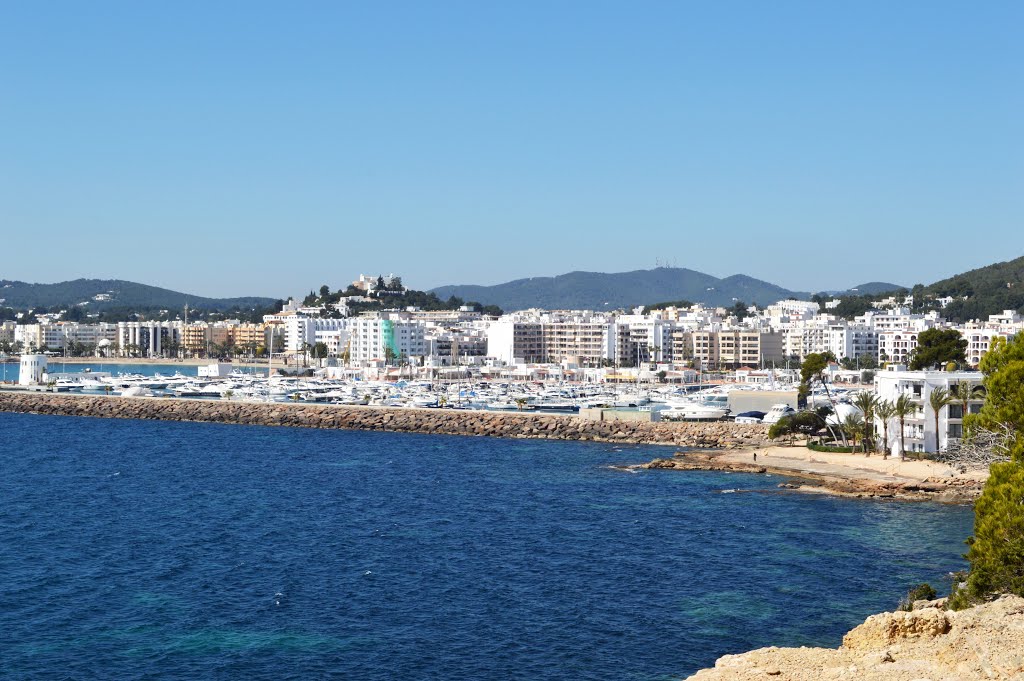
392	419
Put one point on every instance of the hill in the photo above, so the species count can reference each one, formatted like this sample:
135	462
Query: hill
873	288
982	292
601	291
101	294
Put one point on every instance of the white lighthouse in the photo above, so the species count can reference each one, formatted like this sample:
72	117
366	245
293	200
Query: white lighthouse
31	370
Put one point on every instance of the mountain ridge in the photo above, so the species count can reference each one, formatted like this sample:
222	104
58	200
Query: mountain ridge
100	294
602	291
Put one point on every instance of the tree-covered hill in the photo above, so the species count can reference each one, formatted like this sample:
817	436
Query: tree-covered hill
982	292
601	291
102	294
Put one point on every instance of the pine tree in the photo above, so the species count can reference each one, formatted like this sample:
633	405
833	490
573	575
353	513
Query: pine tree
996	553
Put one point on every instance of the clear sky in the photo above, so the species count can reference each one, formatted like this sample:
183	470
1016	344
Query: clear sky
233	148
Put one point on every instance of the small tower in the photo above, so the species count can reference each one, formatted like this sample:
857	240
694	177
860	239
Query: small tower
31	369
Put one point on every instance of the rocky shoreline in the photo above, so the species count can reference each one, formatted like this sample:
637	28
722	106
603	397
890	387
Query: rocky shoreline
440	421
948	490
929	642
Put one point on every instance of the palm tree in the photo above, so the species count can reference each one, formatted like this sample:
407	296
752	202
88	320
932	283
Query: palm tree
867	402
904	408
854	424
939	398
884	411
520	403
964	392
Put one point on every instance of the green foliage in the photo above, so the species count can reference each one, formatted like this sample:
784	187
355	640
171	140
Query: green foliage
935	347
622	290
739	310
854	306
813	370
904	408
996	553
669	303
783	426
989	290
937	399
124	294
921	592
423	300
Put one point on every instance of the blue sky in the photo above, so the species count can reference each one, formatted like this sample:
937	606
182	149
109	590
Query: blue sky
237	148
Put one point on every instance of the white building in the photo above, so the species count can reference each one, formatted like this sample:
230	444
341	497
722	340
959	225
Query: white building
149	338
384	336
312	330
919	432
31	369
851	340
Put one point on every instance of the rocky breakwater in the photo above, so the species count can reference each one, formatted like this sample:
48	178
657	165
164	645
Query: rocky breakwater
441	421
929	642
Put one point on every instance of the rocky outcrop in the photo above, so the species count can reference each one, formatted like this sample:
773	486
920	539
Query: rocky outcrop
952	490
985	642
448	422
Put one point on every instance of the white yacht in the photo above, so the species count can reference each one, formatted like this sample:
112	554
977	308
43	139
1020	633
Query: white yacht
777	412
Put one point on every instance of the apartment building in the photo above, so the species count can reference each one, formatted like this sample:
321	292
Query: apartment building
896	346
726	348
919	433
525	338
7	331
851	340
149	338
385	336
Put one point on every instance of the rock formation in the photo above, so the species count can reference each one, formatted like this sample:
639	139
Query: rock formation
928	643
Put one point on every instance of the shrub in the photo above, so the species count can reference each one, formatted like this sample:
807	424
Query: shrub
921	592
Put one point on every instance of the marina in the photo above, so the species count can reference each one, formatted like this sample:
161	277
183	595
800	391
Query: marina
656	402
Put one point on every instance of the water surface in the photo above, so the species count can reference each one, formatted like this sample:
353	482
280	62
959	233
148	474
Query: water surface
144	548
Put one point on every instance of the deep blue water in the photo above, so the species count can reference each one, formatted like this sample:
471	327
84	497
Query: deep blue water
139	549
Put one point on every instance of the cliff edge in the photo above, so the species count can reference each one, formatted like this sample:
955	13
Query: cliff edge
984	642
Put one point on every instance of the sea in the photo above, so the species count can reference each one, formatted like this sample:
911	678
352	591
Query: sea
148	549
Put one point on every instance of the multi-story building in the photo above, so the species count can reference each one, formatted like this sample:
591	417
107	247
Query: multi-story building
919	433
851	340
385	336
195	339
726	348
896	346
300	331
149	338
7	331
551	337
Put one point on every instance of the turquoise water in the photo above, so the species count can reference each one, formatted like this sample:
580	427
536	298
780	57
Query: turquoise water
139	549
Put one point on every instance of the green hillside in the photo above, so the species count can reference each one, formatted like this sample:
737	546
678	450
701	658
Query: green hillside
982	292
601	291
102	294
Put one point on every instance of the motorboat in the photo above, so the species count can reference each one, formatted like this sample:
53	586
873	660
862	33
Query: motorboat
776	413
